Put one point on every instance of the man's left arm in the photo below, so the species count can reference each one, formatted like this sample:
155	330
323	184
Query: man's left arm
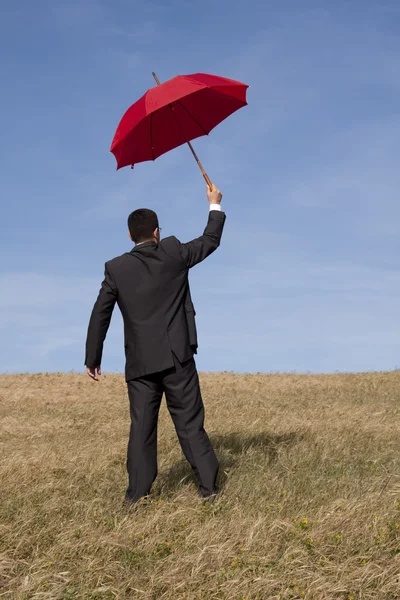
99	324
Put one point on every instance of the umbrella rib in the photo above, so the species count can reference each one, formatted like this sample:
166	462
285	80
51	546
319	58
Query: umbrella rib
151	135
190	115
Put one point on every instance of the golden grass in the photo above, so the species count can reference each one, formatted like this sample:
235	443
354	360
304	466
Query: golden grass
310	505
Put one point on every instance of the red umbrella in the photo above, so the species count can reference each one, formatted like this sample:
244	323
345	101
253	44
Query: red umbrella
173	113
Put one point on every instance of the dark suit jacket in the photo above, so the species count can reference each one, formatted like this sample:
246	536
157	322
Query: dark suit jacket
150	285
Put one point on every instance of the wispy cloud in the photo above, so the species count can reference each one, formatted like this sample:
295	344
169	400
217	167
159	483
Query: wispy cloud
43	316
360	172
339	317
76	13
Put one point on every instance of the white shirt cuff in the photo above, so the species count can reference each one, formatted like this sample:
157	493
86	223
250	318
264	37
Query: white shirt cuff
215	207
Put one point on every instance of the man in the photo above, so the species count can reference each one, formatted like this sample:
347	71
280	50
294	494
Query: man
150	285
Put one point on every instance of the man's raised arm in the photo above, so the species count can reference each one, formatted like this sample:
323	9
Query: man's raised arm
197	250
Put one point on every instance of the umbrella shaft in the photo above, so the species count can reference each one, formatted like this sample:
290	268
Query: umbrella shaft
206	177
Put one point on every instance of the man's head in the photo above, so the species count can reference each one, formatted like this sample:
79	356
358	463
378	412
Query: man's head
143	226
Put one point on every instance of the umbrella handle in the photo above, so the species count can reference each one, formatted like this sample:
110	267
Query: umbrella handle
206	177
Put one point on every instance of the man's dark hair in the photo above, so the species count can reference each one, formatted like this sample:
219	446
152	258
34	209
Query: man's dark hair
141	224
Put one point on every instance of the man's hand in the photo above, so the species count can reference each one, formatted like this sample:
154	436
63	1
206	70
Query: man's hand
214	195
94	372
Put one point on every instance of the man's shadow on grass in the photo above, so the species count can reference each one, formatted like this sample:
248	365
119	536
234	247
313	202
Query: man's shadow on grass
230	449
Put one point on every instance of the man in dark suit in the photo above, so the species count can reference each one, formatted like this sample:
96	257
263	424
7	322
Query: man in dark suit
150	285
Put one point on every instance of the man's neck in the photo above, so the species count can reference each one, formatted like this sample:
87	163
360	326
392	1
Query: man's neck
144	242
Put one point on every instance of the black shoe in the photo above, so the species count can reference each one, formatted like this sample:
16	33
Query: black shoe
130	503
210	498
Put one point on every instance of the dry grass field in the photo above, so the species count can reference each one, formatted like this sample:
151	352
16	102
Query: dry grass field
310	506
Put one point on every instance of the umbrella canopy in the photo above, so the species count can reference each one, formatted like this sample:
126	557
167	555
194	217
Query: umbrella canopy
173	113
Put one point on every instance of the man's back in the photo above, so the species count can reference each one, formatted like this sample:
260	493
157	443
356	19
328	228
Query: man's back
150	285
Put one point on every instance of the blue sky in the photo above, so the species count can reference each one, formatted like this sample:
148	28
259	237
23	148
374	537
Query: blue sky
307	277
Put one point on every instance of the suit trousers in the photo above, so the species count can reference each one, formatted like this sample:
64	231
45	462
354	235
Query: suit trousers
185	405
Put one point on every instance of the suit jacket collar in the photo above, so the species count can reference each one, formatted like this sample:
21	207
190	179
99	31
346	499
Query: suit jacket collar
143	245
